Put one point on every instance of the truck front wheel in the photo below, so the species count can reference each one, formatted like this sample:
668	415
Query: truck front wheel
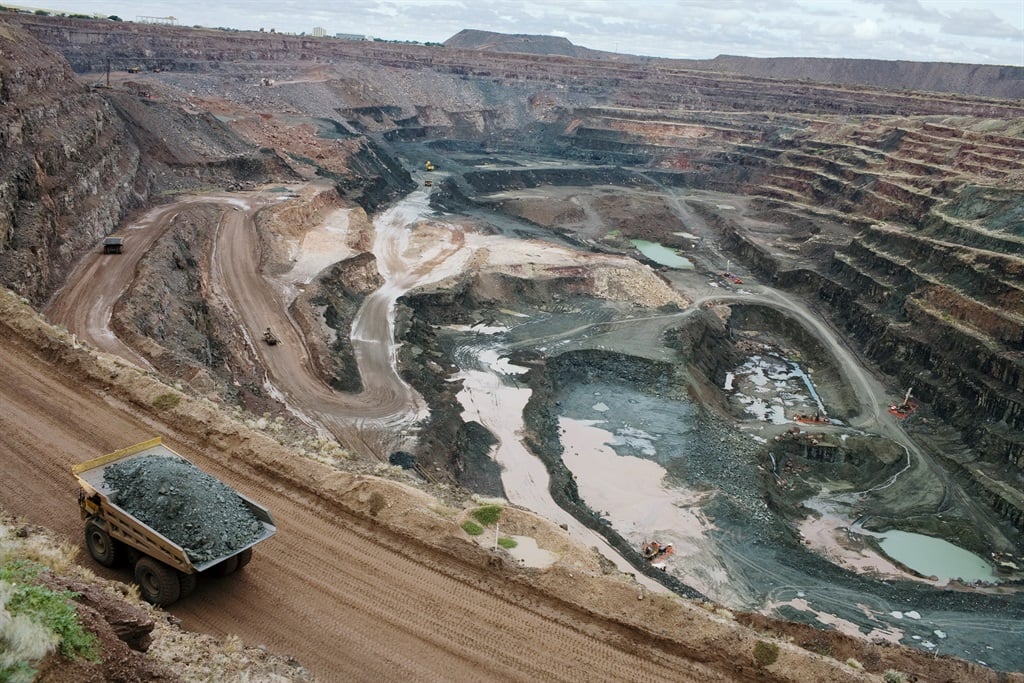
158	583
101	546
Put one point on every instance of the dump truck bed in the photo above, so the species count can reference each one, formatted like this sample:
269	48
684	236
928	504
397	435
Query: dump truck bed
128	528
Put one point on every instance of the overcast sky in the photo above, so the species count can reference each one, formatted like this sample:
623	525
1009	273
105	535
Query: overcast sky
972	31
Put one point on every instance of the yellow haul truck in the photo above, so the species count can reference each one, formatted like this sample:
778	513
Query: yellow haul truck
150	507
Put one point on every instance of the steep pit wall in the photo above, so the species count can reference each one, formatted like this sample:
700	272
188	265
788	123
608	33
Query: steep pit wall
186	150
449	449
87	44
943	374
484	182
956	352
857	461
69	170
706	345
373	177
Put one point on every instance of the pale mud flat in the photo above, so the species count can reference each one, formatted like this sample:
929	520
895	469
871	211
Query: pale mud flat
526	552
827	535
632	494
320	248
878	635
499	408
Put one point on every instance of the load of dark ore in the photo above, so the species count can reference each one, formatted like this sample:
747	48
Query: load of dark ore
201	514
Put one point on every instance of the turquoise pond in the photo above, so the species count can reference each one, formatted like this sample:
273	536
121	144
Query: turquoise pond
662	255
935	557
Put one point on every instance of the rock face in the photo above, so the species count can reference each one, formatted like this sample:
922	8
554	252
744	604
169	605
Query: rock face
76	160
338	294
931	282
471	39
965	79
69	170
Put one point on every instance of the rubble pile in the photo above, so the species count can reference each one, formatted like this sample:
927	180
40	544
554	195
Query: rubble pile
195	510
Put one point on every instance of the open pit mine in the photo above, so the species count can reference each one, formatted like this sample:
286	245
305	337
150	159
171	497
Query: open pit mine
568	366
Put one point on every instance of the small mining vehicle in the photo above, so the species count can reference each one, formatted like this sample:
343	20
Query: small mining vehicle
113	244
163	568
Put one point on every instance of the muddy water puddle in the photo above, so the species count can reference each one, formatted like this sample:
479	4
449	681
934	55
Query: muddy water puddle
771	388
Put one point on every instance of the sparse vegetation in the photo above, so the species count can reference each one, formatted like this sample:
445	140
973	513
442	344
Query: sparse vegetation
34	620
488	514
893	676
507	543
472	528
166	401
377	503
765	653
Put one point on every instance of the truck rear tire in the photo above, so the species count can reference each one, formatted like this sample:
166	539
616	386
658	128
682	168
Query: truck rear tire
188	583
158	583
102	547
244	557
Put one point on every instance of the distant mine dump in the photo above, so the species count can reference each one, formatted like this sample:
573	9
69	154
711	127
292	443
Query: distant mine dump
774	325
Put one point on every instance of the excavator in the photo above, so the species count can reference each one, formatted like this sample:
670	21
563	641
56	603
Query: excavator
269	337
902	410
656	553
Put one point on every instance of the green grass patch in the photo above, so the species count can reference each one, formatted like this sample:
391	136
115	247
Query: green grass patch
166	401
472	528
507	543
765	653
40	606
488	514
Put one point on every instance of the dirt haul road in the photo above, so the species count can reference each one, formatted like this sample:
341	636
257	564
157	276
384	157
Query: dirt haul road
350	599
370	421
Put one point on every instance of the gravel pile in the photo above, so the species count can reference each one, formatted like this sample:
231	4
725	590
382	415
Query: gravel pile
198	512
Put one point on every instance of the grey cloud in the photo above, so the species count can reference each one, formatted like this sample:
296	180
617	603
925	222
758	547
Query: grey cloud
981	23
908	8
